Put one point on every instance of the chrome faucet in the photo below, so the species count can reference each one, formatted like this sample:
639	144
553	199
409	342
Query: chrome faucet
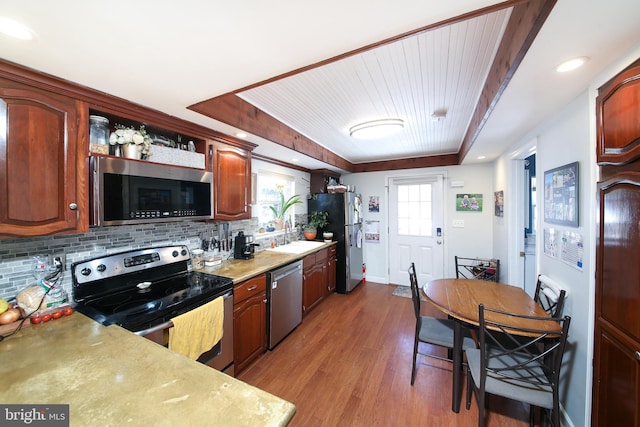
287	230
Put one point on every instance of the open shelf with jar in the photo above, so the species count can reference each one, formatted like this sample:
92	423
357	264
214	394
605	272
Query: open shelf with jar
167	146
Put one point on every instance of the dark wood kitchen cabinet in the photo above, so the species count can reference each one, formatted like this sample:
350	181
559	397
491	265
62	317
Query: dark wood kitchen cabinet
318	277
618	126
231	166
616	364
43	175
249	321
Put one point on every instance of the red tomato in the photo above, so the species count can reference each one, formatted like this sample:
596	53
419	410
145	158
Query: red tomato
67	310
36	319
46	317
57	314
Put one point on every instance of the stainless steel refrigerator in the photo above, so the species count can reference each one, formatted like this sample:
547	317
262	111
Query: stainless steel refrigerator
345	222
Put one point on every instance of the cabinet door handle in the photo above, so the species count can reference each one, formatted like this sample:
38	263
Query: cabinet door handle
73	206
253	288
638	355
264	300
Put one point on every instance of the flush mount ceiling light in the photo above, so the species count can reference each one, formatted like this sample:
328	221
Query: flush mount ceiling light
571	64
15	29
376	128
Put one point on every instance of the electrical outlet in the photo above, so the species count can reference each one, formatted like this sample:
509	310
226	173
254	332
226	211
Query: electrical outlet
58	258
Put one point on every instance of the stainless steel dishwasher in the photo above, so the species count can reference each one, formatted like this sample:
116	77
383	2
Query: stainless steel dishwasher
284	295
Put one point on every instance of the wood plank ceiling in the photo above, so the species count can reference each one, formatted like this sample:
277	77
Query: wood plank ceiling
459	67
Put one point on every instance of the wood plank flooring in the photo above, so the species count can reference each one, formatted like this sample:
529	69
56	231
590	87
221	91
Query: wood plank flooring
349	364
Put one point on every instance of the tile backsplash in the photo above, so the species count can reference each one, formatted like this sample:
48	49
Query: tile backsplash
16	254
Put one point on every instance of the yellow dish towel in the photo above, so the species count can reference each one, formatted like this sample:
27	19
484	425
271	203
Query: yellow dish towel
197	330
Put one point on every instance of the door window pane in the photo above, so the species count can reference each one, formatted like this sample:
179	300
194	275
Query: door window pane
415	210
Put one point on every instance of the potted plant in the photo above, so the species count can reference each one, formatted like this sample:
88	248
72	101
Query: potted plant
281	209
317	219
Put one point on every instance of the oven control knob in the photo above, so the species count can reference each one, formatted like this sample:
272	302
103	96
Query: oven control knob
183	252
175	254
101	268
85	271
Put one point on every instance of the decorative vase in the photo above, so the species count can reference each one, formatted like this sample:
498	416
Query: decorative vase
278	223
131	151
310	232
327	236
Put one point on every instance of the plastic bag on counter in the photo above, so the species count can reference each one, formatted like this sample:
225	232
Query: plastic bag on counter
40	298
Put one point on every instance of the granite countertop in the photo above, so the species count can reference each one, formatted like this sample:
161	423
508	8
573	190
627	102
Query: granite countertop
242	269
110	376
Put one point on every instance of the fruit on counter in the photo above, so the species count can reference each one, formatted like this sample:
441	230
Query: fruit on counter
9	316
45	316
4	306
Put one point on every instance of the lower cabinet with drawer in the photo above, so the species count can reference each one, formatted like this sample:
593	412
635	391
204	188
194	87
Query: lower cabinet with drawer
249	321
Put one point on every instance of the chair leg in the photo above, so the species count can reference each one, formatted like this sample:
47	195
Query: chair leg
481	407
470	386
532	416
415	355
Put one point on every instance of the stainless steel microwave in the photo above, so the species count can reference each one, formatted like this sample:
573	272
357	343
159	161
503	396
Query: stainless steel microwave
133	192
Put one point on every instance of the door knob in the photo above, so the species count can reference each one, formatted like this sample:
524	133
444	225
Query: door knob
439	242
73	206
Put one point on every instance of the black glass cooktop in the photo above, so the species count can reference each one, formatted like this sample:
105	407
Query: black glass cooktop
151	303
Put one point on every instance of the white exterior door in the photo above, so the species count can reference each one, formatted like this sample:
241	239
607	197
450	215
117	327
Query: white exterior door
415	228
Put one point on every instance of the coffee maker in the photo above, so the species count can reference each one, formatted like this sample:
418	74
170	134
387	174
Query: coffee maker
243	246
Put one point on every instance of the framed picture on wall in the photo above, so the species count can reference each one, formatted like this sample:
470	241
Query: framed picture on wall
561	190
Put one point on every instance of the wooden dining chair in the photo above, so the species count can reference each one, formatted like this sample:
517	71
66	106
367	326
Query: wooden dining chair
526	371
549	295
431	330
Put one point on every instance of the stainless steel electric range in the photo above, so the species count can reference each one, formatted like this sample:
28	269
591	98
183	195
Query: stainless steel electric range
143	289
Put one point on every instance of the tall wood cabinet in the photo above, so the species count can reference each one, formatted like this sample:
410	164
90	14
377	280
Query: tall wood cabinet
43	176
616	380
231	166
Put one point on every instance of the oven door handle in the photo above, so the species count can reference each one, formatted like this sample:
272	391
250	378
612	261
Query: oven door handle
169	324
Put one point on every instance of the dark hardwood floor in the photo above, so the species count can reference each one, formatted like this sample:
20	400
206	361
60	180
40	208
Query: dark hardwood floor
349	364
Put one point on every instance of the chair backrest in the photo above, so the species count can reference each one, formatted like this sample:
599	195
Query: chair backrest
415	290
520	353
549	295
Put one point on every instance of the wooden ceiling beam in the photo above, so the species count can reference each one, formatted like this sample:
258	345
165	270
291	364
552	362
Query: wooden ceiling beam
523	27
412	163
236	112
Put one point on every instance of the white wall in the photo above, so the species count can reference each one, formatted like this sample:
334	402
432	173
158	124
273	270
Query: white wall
567	141
568	137
474	240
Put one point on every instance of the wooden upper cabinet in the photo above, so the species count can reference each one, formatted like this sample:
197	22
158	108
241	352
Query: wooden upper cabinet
42	178
618	118
231	168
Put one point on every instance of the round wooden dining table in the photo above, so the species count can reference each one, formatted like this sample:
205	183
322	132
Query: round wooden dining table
460	298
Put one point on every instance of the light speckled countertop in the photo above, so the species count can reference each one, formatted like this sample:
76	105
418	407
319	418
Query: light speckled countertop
111	377
263	261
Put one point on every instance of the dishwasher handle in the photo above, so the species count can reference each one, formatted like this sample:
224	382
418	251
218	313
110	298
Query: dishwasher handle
285	271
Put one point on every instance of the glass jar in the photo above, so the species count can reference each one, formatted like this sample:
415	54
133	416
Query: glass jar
197	259
98	130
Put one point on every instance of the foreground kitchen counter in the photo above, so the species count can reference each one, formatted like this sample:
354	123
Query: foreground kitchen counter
110	376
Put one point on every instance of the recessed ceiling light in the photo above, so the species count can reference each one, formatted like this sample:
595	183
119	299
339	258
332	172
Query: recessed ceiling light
571	64
241	135
376	128
482	157
15	29
295	160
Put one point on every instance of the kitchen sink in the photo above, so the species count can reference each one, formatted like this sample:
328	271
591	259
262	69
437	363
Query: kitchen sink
297	247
